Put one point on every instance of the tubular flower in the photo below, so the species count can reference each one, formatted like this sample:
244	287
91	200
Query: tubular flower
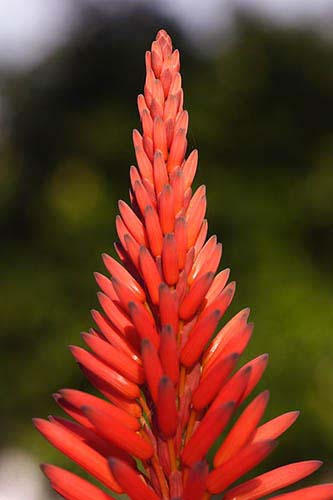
170	382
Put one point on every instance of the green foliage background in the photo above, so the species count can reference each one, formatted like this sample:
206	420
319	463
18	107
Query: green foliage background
261	110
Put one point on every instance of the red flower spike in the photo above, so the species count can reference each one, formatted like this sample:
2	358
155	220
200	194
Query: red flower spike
166	374
71	486
195	485
167	414
131	481
267	483
243	430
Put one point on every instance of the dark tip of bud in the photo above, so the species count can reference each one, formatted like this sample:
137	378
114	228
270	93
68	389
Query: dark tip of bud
265	395
148	209
229	406
145	344
181	220
164	381
200	467
247	370
216	313
132	306
163	287
112	462
167	330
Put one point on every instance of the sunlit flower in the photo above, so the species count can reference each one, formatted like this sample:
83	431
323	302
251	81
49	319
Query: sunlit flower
171	385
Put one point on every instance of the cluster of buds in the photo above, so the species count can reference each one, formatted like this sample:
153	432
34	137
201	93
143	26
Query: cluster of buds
171	385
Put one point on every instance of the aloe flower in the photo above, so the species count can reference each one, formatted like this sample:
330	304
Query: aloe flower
171	384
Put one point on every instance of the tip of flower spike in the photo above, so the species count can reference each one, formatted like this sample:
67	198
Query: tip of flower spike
37	422
45	468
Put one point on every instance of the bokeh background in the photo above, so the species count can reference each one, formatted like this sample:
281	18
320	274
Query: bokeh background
258	79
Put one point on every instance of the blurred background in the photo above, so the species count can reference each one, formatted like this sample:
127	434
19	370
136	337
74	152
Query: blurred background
258	80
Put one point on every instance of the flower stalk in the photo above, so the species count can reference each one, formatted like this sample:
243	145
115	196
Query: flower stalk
169	383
